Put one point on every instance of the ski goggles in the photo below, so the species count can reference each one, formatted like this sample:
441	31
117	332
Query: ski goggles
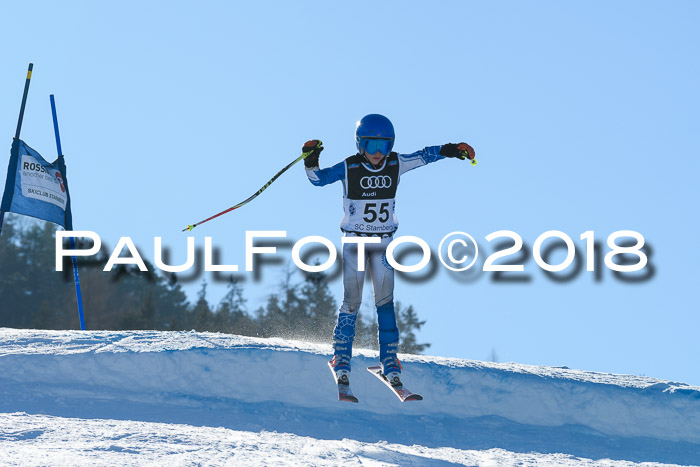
374	145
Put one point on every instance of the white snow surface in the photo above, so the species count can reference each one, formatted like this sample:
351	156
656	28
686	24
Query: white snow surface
183	398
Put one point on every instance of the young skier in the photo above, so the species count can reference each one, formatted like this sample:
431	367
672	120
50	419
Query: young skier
370	179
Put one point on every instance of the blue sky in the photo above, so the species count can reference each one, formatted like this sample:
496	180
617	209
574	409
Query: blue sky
584	117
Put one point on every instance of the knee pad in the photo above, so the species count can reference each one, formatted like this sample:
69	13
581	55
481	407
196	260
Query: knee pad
345	329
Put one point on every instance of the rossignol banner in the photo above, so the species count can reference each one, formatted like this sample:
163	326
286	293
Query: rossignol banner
35	187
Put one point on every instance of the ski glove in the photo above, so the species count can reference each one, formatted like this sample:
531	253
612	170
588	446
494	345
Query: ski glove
461	151
311	151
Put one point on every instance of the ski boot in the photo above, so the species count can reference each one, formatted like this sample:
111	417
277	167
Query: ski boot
341	372
391	369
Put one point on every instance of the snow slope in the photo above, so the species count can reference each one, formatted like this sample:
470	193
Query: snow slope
236	392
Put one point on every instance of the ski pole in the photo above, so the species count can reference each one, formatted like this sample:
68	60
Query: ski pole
243	203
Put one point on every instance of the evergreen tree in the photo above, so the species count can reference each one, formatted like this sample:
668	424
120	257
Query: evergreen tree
203	316
367	331
286	314
13	274
295	316
408	322
319	306
29	282
260	322
172	306
271	320
231	315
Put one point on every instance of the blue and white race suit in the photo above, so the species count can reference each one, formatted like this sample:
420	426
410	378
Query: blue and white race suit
369	202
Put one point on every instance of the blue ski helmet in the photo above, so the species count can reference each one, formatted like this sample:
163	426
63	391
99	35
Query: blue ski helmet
374	127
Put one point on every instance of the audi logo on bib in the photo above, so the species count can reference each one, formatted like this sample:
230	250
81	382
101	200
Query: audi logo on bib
375	181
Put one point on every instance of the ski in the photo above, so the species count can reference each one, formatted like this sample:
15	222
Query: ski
344	391
401	392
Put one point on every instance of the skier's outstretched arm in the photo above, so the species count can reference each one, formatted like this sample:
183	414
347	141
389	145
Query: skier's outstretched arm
317	176
432	154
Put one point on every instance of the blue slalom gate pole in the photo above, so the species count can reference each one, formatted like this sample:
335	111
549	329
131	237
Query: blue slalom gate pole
76	278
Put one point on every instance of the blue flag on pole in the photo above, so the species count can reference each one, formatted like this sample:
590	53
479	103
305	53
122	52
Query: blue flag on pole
35	187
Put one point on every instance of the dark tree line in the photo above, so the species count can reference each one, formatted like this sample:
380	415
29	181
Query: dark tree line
34	295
